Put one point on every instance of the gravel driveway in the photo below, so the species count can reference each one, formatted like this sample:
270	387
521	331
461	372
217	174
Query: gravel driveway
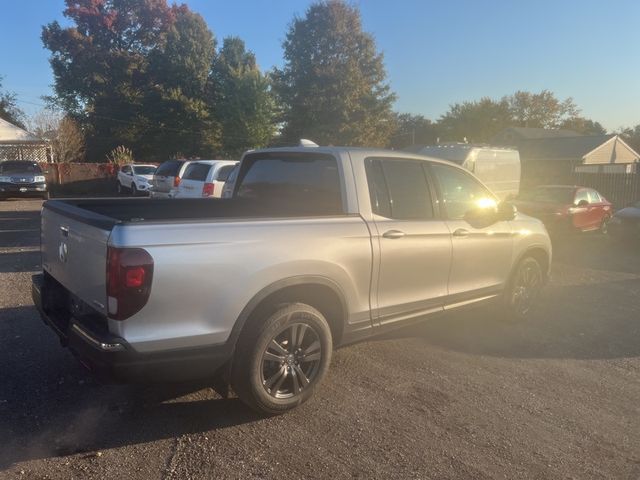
462	396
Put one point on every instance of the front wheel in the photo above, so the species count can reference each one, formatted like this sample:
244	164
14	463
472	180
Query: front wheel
604	226
134	190
523	290
279	361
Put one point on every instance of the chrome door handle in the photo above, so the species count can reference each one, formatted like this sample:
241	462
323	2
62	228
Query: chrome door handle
461	232
393	234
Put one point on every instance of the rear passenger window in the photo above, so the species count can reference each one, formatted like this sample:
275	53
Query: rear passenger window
399	189
197	171
224	172
169	168
307	183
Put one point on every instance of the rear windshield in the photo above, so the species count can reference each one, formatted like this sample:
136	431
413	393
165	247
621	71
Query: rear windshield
19	167
306	181
549	195
169	168
144	170
224	172
197	171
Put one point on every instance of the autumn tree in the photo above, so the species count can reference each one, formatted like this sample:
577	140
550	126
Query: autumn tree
540	110
333	85
242	98
133	72
9	110
584	126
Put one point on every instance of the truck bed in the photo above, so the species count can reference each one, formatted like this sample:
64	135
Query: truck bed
106	212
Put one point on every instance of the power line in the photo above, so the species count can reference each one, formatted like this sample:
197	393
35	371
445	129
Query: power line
136	124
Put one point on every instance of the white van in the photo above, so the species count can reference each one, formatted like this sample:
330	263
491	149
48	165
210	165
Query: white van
498	168
205	178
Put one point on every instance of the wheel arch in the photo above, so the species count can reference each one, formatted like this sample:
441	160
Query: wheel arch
319	292
540	254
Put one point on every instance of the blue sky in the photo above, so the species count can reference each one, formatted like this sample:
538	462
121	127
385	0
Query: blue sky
436	53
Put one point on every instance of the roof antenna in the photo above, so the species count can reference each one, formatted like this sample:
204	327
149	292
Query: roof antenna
308	143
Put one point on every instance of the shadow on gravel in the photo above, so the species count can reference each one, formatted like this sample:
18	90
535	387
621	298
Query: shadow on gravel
597	252
597	321
28	261
20	228
50	405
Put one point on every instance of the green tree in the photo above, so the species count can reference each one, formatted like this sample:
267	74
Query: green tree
242	97
475	121
584	126
9	110
130	71
540	110
631	135
333	86
413	130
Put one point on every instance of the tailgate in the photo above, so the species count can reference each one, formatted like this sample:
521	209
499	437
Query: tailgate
162	183
74	252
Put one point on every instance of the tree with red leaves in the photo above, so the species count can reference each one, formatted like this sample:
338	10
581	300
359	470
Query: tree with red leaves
135	72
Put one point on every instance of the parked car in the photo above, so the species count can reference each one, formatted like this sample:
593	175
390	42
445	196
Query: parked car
205	178
135	178
498	168
318	247
567	208
166	178
227	188
21	178
625	223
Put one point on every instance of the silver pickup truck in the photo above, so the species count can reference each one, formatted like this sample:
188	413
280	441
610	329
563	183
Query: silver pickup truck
316	248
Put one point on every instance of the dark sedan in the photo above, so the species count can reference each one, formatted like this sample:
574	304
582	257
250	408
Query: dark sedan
626	222
22	179
566	208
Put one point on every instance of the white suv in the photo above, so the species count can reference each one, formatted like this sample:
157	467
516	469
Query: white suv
135	178
205	178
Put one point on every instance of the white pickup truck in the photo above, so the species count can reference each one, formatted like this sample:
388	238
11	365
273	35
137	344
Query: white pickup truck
318	247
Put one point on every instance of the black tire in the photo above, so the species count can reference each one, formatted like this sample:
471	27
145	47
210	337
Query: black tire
523	290
134	190
270	368
604	226
119	188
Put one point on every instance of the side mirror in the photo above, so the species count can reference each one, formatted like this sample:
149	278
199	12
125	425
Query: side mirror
481	217
583	203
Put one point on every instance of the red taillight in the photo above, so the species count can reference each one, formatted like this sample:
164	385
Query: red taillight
129	276
207	190
176	182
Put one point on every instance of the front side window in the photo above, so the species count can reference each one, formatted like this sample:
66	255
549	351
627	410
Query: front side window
197	171
594	197
581	195
399	189
307	182
461	193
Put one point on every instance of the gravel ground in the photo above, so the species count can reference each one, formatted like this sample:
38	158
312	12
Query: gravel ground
462	396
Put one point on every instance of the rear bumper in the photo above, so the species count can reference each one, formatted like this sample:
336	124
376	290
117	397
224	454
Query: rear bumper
112	360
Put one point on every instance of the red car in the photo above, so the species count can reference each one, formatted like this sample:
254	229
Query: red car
566	207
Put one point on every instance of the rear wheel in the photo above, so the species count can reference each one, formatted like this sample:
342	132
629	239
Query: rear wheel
523	290
279	361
